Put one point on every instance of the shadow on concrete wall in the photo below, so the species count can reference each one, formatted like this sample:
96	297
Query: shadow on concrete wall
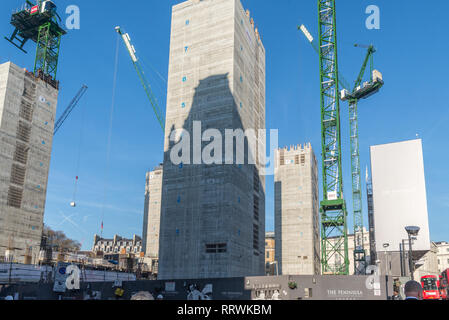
207	205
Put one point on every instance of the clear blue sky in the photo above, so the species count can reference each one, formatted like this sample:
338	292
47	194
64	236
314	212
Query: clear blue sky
411	55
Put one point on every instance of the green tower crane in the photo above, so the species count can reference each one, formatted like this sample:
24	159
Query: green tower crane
359	92
143	79
38	22
334	236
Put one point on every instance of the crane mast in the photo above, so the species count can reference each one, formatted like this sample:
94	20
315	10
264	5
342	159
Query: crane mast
359	92
334	237
132	52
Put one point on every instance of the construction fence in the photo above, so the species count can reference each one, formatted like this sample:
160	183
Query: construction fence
23	273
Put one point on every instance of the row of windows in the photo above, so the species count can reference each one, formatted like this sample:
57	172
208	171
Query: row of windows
119	243
117	250
297	160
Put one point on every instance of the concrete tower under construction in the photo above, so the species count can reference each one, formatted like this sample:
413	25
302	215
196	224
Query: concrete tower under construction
213	214
27	114
152	213
296	208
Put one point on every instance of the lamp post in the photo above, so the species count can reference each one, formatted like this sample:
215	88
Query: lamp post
403	260
386	245
412	231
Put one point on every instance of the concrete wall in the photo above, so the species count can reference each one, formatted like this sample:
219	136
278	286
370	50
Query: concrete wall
213	215
27	110
297	228
152	213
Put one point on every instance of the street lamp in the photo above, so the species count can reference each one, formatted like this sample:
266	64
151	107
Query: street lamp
412	231
386	245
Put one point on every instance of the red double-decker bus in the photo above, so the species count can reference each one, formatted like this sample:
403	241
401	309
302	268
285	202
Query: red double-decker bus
431	287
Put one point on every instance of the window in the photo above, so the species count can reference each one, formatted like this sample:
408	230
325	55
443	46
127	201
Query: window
256	208
216	248
256	237
17	175
14	197
23	132
268	255
256	180
26	111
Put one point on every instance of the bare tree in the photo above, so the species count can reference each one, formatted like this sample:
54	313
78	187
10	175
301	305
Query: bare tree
59	241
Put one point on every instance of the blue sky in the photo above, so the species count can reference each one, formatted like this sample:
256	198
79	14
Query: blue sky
411	55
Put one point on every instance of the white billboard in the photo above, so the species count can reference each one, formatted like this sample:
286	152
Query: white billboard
399	194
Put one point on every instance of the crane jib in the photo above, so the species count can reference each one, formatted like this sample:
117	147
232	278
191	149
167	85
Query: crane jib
146	86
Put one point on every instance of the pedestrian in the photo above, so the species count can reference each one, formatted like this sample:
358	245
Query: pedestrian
413	291
396	296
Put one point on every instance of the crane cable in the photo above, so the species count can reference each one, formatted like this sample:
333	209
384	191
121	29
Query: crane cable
111	118
160	86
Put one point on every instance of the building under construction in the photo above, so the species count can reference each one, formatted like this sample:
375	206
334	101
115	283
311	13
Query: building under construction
296	208
27	112
152	214
213	216
28	103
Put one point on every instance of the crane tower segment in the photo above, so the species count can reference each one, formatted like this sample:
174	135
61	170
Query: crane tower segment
334	237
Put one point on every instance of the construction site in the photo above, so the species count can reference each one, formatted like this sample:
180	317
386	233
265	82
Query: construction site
207	207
